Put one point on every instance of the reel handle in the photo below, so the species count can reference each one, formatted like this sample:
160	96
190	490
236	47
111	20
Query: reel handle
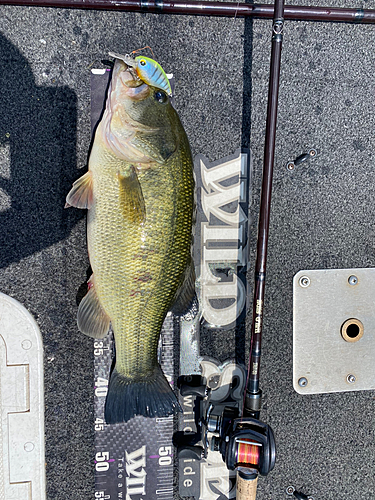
190	452
246	485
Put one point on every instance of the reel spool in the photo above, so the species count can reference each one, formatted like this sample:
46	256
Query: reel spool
247	453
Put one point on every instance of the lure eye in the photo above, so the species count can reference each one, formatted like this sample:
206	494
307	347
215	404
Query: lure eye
142	62
161	96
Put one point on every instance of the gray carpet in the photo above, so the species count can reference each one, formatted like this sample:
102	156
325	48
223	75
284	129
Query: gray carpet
322	212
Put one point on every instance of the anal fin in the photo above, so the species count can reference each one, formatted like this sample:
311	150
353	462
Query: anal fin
80	196
91	318
185	295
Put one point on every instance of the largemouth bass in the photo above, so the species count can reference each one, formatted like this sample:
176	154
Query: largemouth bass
139	191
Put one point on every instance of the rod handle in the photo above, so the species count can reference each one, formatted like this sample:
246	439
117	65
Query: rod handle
246	486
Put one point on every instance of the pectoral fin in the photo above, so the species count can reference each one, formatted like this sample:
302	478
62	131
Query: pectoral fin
186	293
91	318
80	196
131	197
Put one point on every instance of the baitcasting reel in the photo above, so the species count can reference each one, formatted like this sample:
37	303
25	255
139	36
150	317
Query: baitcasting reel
244	443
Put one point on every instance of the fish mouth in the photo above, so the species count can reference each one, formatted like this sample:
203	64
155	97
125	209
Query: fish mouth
135	88
124	67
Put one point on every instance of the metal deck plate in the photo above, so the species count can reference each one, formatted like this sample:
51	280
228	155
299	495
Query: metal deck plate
334	330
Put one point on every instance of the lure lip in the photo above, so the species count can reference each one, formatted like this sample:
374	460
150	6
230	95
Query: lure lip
127	58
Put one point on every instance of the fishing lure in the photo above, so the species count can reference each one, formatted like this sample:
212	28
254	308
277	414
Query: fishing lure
147	70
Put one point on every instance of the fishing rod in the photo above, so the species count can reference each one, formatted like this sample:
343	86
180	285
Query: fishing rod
207	8
250	445
246	444
247	477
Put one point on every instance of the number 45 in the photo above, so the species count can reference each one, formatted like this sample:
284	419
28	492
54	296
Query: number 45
99	426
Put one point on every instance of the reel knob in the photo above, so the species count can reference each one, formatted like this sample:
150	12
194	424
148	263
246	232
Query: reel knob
192	385
190	452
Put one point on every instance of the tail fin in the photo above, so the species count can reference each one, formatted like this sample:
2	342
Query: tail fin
150	397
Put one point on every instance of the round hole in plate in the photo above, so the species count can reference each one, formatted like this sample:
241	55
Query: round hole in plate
352	330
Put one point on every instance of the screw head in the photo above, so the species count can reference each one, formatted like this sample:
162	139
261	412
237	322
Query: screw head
352	280
290	490
312	152
290	165
304	281
351	378
302	382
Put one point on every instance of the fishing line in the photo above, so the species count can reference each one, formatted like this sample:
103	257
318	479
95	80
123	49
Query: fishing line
247	453
231	31
218	62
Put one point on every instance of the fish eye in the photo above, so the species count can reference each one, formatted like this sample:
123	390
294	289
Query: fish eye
161	96
142	62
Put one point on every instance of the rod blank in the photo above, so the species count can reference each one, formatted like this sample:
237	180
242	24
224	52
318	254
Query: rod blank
207	8
253	393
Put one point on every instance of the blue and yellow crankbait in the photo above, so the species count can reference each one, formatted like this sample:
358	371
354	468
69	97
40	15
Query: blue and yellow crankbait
148	70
